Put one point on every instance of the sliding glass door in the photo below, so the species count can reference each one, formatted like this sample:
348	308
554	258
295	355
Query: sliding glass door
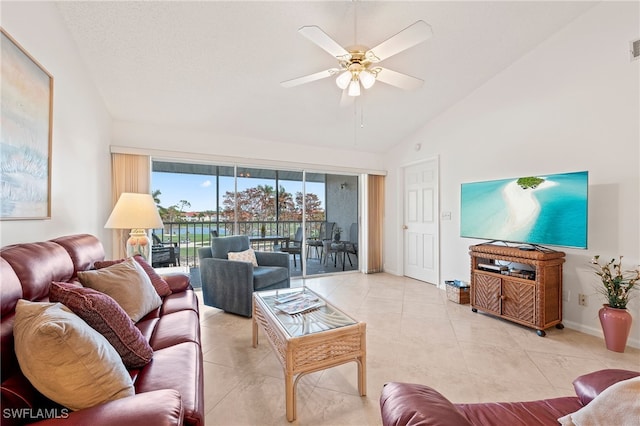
283	210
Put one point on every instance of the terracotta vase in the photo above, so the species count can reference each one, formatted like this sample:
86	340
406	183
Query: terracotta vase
616	325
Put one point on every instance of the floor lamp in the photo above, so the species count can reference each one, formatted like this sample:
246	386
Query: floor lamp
136	212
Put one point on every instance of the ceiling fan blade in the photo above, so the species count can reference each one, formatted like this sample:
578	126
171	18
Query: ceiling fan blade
414	34
309	78
319	37
398	79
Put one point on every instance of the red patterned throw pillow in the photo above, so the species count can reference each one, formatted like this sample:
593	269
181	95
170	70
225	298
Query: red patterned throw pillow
104	315
159	283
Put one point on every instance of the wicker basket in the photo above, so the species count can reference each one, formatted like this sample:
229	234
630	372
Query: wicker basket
458	294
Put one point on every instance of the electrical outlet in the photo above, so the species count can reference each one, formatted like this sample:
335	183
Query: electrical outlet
582	299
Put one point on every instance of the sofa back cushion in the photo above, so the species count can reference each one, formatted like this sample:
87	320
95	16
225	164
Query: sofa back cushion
27	271
221	246
83	249
10	292
37	265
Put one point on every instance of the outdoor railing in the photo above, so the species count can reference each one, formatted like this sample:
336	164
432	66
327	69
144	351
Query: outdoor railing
189	236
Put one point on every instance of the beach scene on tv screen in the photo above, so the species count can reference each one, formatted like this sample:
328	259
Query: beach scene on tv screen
544	210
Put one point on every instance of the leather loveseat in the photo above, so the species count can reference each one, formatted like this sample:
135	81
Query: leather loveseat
168	390
415	404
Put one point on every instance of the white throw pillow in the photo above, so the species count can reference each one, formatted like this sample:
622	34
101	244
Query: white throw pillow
65	359
619	404
243	256
127	284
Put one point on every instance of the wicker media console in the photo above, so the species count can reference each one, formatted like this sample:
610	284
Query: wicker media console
523	286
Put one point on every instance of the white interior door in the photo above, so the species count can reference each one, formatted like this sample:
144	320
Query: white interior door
421	222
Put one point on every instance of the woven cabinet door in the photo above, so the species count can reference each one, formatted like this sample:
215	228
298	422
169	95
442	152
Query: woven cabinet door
519	300
487	293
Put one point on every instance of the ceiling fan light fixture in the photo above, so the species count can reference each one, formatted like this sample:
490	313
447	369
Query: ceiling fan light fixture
354	88
356	66
343	80
367	78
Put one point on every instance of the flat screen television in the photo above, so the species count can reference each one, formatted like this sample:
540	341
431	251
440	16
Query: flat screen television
535	210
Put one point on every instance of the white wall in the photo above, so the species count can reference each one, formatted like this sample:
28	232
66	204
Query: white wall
80	172
571	104
250	151
342	203
83	132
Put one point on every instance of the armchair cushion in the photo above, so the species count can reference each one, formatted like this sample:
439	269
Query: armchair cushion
221	246
268	258
266	276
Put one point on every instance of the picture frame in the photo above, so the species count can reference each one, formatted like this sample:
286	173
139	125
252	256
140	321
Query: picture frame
26	112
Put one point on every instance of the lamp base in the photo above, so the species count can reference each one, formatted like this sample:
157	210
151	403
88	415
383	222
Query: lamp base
138	243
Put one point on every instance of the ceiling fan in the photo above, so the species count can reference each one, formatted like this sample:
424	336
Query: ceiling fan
358	65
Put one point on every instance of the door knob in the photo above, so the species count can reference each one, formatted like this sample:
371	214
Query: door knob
405	227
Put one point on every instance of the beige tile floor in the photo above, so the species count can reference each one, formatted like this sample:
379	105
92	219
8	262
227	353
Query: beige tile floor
414	334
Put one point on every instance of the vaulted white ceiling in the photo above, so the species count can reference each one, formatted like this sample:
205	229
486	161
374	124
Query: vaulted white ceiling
216	66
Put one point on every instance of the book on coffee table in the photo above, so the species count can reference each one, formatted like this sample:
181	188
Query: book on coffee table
302	303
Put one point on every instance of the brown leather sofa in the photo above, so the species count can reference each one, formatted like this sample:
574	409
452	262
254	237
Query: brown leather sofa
169	390
414	404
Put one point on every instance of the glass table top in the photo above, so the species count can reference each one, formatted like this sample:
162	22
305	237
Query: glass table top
321	316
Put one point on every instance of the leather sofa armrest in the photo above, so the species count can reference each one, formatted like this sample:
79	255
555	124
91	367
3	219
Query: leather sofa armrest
413	404
158	408
177	281
590	385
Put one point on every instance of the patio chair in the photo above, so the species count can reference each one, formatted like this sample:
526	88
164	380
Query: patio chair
229	284
164	254
326	233
294	247
345	248
351	246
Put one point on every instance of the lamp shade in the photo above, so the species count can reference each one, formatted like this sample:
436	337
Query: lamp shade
367	78
343	80
354	88
134	211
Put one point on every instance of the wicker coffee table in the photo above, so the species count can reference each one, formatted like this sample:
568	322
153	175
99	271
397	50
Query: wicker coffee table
311	341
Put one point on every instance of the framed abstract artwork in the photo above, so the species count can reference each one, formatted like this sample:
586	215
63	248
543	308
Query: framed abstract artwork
25	136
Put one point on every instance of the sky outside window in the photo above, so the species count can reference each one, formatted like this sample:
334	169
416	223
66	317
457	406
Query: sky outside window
200	190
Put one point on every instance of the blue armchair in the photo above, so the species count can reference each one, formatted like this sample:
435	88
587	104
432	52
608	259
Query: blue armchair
229	284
